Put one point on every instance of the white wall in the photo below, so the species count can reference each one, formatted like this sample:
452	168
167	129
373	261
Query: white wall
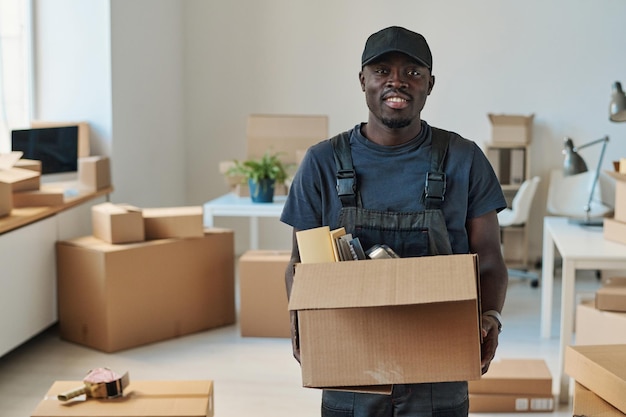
181	77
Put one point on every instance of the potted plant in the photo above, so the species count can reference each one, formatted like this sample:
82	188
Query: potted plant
262	175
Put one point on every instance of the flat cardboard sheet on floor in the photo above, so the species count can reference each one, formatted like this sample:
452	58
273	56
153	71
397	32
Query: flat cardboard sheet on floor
141	398
388	321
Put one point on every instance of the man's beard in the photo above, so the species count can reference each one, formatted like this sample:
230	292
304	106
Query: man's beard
396	123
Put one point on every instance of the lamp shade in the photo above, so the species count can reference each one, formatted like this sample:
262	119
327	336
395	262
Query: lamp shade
573	163
617	108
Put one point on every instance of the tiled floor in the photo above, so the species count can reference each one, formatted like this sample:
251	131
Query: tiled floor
252	376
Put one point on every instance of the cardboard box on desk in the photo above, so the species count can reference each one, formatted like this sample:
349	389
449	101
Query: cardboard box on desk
614	230
513	385
44	197
588	404
117	223
509	128
141	398
600	368
620	195
263	299
114	297
597	327
611	296
388	321
94	173
21	179
32	164
6	199
167	222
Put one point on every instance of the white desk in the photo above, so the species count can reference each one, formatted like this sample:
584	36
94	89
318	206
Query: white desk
580	248
231	205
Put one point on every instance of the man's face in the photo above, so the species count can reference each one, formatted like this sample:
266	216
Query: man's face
395	89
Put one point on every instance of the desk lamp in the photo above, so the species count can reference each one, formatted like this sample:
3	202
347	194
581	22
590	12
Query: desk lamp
574	164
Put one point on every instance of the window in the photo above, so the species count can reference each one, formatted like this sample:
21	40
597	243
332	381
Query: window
15	68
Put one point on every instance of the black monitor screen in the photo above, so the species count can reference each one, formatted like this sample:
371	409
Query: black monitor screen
55	147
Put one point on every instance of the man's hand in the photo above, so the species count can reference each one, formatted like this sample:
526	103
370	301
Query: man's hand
490	334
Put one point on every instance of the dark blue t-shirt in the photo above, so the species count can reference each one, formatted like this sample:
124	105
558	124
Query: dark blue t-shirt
392	178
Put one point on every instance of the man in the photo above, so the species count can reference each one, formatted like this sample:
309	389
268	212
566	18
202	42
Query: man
418	189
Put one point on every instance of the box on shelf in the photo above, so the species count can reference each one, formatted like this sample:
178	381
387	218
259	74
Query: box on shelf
614	230
114	297
263	298
6	199
141	398
601	369
32	164
611	296
510	128
349	318
83	133
167	222
94	173
44	197
597	327
117	223
20	179
588	404
514	376
620	195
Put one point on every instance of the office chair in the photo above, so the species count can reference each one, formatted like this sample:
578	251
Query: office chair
516	219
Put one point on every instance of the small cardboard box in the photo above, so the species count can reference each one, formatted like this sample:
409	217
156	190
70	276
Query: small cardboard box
141	398
21	179
597	327
114	297
31	164
388	321
511	129
94	173
514	376
39	198
263	298
167	222
6	199
588	404
612	295
614	230
117	223
620	195
510	403
600	368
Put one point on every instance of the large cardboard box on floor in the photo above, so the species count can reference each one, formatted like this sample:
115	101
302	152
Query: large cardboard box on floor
511	128
601	369
513	385
141	398
588	404
597	327
611	296
166	222
262	295
113	296
117	223
388	321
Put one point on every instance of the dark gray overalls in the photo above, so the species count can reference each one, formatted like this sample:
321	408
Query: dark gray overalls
408	234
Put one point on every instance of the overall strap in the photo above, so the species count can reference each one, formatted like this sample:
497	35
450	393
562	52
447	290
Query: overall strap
346	176
435	189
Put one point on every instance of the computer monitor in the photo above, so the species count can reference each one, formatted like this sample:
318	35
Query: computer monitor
55	147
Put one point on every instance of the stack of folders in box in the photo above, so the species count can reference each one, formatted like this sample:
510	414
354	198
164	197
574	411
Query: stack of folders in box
321	244
513	385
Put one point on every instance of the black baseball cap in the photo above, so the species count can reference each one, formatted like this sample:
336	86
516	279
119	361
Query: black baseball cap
397	39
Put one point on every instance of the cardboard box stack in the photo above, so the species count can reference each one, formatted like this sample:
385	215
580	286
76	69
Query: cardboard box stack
600	369
513	386
358	330
141	398
615	228
16	180
263	299
117	289
603	320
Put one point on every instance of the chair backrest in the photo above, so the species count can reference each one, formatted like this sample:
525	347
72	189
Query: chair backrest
567	196
520	206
